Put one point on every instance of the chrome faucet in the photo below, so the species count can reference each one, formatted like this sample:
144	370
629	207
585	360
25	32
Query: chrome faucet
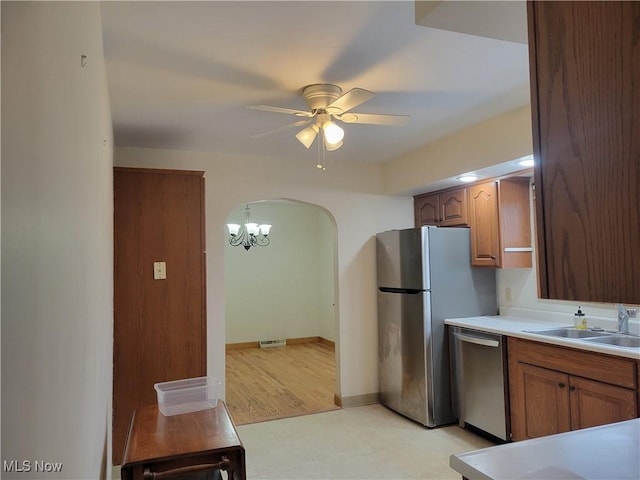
623	319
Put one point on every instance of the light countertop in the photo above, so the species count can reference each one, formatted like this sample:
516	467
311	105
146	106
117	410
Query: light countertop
604	452
520	327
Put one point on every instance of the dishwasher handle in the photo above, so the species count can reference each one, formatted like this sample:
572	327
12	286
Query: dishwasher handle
477	340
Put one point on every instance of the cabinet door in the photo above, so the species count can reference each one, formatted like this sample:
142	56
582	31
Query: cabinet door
427	210
483	219
539	402
585	72
515	222
597	403
453	208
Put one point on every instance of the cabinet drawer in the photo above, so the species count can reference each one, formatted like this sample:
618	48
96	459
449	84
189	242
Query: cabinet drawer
596	366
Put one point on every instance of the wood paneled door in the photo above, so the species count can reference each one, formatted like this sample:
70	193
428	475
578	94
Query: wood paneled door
159	287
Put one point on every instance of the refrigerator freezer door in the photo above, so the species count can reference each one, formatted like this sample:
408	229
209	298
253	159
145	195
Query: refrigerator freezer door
400	259
401	352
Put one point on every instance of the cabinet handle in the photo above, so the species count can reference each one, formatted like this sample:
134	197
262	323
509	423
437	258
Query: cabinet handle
572	389
561	385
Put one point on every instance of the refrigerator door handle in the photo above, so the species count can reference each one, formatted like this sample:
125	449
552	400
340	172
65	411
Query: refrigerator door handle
477	340
405	291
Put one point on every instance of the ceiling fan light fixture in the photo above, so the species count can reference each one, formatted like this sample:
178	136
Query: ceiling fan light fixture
333	134
306	136
327	104
330	147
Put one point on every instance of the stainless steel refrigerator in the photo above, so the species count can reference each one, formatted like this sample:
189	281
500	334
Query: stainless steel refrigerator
424	277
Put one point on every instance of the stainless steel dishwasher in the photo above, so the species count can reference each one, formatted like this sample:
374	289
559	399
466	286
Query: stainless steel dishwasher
479	380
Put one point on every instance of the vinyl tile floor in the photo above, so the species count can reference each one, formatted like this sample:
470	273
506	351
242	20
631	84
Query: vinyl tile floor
369	442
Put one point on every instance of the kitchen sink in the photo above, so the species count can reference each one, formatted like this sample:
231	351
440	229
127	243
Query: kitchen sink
618	341
570	332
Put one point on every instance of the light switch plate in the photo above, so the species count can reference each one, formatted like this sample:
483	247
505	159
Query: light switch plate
159	270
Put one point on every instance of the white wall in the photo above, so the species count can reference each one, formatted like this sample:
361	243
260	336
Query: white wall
281	291
349	192
497	140
57	240
525	302
327	269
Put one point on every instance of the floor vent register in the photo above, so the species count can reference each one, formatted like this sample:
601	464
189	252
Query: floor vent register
273	343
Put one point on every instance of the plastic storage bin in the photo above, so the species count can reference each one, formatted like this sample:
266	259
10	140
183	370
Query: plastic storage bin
187	395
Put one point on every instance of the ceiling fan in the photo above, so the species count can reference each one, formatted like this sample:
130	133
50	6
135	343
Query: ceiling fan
327	103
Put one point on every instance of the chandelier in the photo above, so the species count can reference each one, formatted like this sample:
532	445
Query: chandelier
250	234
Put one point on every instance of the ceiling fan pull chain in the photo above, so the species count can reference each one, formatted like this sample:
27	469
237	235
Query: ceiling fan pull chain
321	151
324	155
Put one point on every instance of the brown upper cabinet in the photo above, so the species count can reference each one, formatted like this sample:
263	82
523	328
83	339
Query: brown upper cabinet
485	235
447	208
514	206
498	213
585	78
500	220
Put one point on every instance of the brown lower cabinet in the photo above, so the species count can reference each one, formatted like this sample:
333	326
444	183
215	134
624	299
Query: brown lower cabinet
556	389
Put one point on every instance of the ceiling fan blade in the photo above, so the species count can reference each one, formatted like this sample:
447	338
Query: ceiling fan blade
267	108
281	129
349	100
373	118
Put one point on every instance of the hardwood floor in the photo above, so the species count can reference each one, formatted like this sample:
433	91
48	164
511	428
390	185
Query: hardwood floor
278	382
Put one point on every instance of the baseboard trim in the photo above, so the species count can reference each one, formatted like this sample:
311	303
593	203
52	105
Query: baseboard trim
290	341
356	400
241	345
300	340
327	342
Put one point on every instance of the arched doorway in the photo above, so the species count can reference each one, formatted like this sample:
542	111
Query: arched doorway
286	291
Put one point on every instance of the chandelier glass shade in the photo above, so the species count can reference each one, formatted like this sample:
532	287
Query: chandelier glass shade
250	234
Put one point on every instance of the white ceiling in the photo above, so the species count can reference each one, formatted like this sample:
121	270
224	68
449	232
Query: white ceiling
181	73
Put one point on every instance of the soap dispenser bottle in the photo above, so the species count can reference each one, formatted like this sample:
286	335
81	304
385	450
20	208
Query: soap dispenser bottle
579	320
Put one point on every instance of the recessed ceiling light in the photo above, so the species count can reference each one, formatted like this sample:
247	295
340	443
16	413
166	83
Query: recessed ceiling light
468	178
525	161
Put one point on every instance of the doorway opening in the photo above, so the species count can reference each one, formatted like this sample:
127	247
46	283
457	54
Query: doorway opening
281	314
